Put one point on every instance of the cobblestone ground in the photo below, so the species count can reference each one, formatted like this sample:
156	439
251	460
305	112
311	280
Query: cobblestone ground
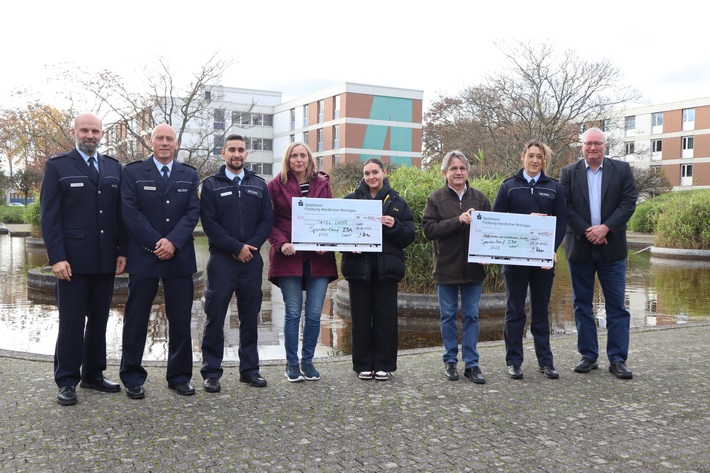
416	422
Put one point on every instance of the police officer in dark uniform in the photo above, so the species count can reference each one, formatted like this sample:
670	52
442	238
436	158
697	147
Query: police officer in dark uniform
160	209
82	230
237	217
530	191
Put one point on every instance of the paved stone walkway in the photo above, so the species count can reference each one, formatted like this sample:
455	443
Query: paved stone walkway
416	422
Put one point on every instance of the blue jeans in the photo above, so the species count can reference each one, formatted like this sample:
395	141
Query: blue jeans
448	308
292	291
612	277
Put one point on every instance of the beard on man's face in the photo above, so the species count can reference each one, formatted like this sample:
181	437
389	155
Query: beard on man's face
88	146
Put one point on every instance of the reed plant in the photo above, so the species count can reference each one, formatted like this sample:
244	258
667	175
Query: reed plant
684	221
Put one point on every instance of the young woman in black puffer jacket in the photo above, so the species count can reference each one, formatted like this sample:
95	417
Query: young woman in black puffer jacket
373	278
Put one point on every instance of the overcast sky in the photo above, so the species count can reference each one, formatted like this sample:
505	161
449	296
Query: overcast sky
300	47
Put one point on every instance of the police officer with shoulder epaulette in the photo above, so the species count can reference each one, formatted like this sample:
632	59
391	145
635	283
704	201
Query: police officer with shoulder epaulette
83	233
237	217
160	209
531	191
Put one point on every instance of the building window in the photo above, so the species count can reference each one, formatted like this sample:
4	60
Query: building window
686	170
629	147
336	137
261	144
321	110
305	115
292	138
320	163
261	119
219	119
320	139
305	138
657	119
630	124
293	119
689	119
334	163
336	107
259	168
208	95
218	144
687	143
656	146
241	118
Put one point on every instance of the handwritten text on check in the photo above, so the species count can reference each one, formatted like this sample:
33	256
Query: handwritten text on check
336	224
515	239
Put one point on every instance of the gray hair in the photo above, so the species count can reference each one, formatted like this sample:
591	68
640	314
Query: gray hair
593	129
455	154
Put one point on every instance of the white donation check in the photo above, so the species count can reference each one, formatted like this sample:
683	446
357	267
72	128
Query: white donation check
336	224
515	239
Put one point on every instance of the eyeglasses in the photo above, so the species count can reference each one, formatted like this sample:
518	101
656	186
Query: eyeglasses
454	169
593	143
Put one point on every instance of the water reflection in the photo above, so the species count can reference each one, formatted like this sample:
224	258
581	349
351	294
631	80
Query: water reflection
657	294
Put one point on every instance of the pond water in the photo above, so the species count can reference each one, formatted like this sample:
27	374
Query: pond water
658	293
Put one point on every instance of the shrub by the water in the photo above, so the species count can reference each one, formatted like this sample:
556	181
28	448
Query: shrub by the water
684	221
11	214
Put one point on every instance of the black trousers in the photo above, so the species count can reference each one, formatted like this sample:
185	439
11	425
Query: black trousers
178	291
373	308
225	277
517	279
83	304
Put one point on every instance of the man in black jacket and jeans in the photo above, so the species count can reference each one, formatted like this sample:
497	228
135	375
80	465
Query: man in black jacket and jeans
447	221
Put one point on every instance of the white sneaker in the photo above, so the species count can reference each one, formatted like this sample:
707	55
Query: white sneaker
365	375
382	375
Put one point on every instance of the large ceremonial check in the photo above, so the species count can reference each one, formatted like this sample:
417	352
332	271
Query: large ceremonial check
515	239
336	224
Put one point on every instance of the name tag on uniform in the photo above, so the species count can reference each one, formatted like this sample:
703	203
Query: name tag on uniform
76	184
183	190
223	194
150	188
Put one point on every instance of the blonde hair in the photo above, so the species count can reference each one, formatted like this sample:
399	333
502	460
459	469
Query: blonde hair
546	152
285	167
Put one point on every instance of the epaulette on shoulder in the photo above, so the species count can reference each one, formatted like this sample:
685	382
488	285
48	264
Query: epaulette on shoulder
511	177
60	155
110	157
259	177
133	163
190	166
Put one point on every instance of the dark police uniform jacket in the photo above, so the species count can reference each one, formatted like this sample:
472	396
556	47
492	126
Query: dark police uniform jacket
546	197
233	217
80	216
153	210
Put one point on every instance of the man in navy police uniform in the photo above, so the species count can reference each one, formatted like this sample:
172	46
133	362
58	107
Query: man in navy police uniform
237	218
160	209
81	227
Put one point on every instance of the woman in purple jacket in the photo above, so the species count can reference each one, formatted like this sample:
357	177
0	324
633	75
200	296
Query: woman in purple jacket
297	271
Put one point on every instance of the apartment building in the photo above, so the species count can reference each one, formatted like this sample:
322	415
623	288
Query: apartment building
672	138
353	122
